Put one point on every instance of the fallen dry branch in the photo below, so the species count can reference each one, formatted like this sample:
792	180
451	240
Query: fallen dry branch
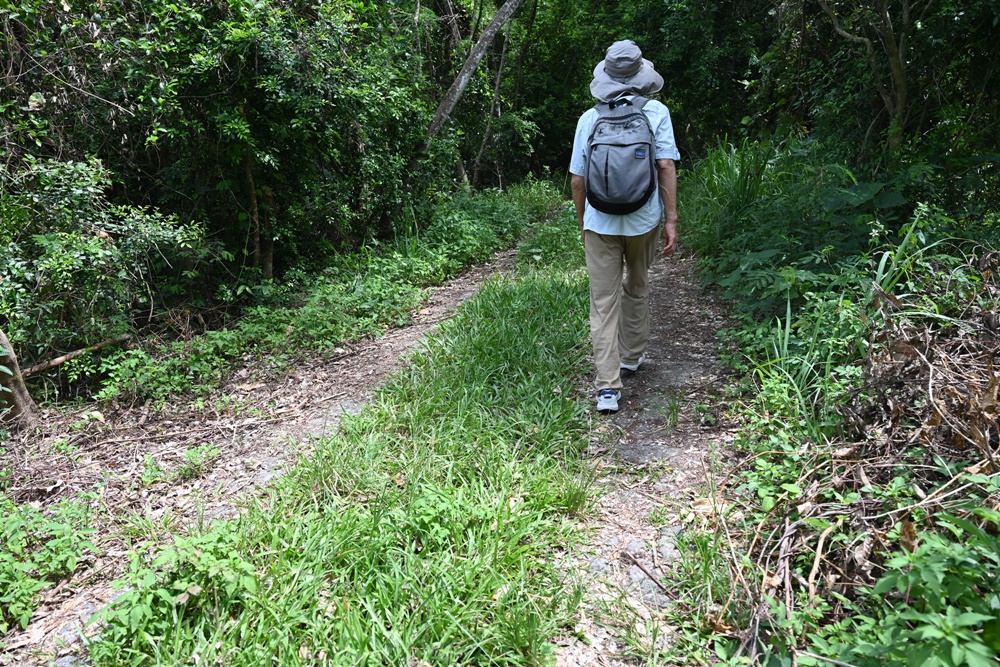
652	577
52	363
926	418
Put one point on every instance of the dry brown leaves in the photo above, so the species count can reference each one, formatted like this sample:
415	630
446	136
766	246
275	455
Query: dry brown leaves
928	413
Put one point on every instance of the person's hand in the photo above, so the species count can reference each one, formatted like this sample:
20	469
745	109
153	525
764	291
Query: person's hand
583	234
669	238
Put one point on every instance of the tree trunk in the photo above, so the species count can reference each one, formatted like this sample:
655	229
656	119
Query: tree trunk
267	234
21	409
893	37
463	178
493	106
895	51
477	9
254	212
451	97
523	55
452	18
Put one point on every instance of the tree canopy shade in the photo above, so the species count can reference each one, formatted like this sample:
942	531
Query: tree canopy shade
267	137
456	89
893	74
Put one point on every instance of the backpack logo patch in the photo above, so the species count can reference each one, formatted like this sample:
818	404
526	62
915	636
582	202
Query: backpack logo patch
640	153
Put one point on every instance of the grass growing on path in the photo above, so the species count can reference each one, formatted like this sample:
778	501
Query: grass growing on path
422	533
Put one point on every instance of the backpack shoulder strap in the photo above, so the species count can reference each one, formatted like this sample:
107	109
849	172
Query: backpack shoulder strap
639	102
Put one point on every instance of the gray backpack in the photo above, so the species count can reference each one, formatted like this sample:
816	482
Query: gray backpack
621	166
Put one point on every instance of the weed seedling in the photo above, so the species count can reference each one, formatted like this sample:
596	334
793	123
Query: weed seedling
152	472
65	447
196	461
670	410
704	412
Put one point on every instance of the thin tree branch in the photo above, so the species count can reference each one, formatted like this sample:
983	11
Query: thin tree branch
452	20
52	363
840	29
493	106
870	49
80	90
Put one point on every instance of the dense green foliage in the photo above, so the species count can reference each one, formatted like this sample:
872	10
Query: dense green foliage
249	142
231	114
74	269
357	295
837	284
39	548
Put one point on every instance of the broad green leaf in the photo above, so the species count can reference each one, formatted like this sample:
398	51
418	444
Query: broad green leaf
971	618
889	199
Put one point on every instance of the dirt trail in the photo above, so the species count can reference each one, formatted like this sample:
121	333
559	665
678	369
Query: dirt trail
649	471
133	459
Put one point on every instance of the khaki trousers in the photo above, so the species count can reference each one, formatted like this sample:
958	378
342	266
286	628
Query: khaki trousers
619	309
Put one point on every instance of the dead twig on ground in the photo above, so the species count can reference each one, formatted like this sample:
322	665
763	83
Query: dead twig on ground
652	577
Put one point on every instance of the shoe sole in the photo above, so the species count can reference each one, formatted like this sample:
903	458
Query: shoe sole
631	369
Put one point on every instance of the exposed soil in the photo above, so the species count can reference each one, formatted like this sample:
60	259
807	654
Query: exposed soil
132	459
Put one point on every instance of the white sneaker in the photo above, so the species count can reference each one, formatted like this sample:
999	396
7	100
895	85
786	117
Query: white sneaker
607	400
633	367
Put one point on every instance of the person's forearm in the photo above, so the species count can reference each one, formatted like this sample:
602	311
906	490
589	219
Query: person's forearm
579	188
667	178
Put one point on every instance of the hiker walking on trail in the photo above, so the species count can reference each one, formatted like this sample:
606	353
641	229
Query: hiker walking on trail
624	185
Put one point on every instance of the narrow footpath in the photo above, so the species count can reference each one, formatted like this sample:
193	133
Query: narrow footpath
652	459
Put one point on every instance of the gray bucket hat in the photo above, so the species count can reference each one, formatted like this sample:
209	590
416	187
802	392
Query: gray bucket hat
624	71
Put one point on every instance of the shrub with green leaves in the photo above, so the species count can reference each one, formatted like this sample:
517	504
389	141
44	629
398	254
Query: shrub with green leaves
38	550
833	277
74	270
775	220
937	605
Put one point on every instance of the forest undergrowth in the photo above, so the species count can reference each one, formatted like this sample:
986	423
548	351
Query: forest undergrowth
858	518
189	187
